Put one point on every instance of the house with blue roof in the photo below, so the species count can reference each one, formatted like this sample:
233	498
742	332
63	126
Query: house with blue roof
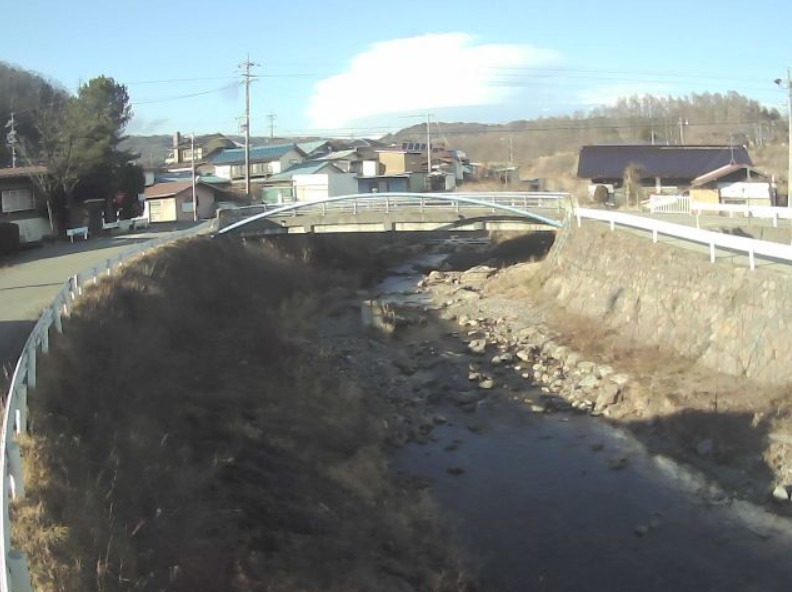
265	161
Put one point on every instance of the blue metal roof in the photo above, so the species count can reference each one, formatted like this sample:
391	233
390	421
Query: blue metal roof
257	154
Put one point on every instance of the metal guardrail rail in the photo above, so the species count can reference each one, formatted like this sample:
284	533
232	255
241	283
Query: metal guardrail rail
515	203
714	240
14	575
773	213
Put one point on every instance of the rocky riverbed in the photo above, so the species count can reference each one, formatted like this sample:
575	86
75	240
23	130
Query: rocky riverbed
470	354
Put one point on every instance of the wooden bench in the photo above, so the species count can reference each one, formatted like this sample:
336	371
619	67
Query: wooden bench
81	231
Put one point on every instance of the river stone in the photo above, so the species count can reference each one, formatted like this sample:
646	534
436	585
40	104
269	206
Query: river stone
477	346
620	379
781	493
487	384
588	382
608	395
525	355
587	368
604	370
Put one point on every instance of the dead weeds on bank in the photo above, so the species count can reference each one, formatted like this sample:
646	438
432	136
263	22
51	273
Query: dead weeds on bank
186	437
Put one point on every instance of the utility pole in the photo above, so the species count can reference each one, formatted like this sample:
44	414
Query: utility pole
271	118
11	138
428	152
247	77
194	194
788	87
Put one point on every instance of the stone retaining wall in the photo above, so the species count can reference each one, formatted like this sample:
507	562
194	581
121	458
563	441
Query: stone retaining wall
730	319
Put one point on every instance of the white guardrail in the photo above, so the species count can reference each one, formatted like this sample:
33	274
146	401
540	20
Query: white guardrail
714	240
763	212
14	575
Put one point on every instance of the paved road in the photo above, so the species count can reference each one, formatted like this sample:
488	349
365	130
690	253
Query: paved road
30	280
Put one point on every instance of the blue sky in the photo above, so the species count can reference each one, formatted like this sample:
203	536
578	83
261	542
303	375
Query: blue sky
365	68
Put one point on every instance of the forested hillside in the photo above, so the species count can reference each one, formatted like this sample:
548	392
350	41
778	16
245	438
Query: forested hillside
548	147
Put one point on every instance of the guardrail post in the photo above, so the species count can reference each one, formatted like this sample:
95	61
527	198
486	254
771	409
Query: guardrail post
18	569
654	235
20	413
31	366
712	252
387	205
612	225
751	259
45	335
57	307
17	484
775	219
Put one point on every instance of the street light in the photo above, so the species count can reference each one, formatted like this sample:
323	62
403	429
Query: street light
788	86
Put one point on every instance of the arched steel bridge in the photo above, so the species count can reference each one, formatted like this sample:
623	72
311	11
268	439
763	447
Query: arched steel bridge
402	212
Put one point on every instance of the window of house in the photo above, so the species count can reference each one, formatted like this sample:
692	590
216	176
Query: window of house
187	207
18	200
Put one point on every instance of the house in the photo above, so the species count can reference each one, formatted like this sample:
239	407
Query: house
309	181
173	201
736	184
398	161
659	167
20	203
205	147
398	183
265	161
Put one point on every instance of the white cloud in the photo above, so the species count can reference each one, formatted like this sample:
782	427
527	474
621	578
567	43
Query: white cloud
420	73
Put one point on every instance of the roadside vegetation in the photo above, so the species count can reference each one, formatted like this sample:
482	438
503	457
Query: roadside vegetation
188	434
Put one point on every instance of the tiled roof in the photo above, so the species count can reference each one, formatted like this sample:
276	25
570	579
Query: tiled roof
25	171
679	162
257	154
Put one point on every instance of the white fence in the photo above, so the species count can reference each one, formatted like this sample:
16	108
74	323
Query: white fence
14	575
714	240
669	204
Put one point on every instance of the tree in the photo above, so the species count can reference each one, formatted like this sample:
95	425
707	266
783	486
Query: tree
633	188
79	146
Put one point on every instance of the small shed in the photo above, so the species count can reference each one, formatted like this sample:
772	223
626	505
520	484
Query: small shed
173	201
734	184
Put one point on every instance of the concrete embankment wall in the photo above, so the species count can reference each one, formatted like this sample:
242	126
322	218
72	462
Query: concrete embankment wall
730	319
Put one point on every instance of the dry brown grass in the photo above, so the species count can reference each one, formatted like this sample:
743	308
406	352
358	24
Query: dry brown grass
188	436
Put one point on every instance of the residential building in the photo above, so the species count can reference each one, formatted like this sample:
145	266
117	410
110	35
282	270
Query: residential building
659	167
184	150
309	181
398	183
173	201
265	161
398	161
20	203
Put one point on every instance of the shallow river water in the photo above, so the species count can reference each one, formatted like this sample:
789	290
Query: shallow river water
566	502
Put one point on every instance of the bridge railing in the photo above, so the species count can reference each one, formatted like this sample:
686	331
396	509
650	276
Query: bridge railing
714	240
14	574
386	203
521	204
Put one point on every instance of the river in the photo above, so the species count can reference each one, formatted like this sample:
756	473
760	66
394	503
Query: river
565	501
